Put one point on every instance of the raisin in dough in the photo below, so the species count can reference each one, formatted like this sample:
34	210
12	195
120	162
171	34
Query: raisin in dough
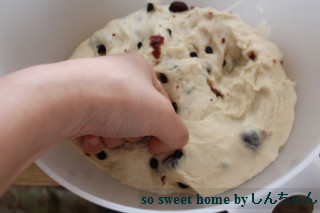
226	83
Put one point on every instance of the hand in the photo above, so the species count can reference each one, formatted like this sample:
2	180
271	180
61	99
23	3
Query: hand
127	102
113	97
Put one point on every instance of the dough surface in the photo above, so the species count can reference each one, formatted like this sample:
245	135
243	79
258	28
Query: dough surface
227	84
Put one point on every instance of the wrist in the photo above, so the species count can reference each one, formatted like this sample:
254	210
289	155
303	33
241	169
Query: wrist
42	102
64	98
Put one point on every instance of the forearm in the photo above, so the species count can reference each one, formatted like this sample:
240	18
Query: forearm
33	117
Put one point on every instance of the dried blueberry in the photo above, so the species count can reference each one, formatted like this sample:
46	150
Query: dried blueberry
252	139
193	54
182	185
209	69
163	78
173	160
139	45
169	31
178	154
224	63
101	155
101	49
209	50
153	163
178	6
150	7
175	106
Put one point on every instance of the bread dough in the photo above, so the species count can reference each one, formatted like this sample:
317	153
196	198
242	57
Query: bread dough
227	84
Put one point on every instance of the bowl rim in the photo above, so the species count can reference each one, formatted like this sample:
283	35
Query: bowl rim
291	174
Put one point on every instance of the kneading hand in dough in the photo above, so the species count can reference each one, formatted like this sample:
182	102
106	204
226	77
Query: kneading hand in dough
101	101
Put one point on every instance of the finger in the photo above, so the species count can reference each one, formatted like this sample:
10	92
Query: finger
169	130
91	144
113	142
79	139
136	139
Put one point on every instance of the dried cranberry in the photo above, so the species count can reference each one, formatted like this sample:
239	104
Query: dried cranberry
156	42
178	6
252	55
216	92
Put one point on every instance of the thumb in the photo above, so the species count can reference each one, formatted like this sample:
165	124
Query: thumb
169	132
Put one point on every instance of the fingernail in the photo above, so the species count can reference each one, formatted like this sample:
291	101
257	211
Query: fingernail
94	142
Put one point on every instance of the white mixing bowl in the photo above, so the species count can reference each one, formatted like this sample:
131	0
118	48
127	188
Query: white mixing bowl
42	31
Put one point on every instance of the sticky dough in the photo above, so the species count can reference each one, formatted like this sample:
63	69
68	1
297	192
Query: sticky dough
228	85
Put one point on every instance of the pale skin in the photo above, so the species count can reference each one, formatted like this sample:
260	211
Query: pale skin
102	101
